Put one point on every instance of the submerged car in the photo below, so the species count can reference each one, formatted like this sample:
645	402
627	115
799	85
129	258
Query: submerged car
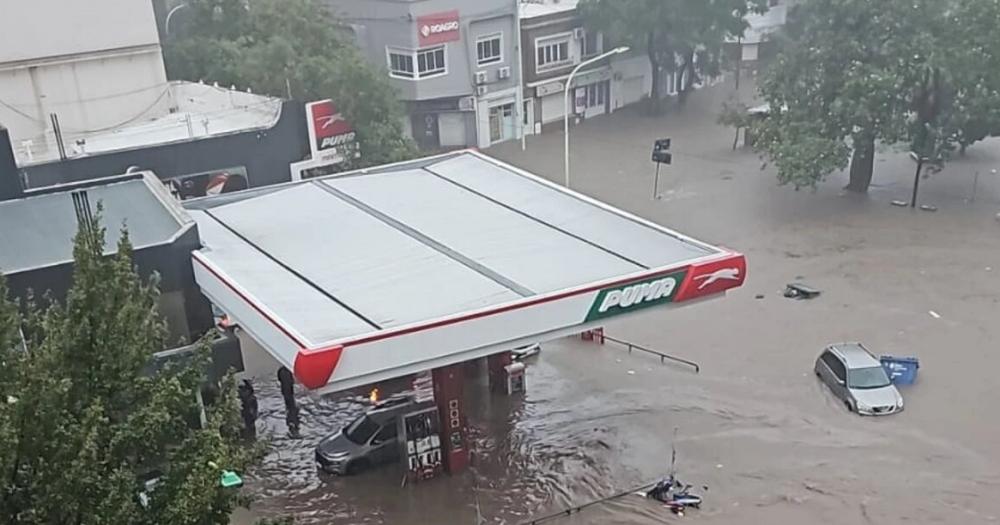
858	379
369	440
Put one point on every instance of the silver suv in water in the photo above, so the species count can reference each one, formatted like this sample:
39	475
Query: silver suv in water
856	377
369	440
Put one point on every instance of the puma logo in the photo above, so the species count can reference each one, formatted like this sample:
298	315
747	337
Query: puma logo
327	121
723	274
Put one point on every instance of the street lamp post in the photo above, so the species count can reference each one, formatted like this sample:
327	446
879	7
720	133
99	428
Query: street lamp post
166	23
569	82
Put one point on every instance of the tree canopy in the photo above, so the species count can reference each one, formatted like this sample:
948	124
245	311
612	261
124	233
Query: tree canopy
83	425
289	48
683	36
854	73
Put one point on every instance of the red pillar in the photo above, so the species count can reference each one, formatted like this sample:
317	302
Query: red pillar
498	376
448	394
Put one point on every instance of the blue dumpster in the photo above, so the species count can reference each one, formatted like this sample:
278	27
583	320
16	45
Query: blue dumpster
901	370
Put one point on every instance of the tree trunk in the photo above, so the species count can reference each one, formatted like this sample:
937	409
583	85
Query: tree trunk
862	164
654	63
687	72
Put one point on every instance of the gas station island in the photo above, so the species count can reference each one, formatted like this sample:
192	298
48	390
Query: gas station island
364	276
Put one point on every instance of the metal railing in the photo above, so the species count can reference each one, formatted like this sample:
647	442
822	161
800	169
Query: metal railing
663	357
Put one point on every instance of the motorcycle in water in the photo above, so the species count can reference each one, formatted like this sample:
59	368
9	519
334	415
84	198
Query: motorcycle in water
674	495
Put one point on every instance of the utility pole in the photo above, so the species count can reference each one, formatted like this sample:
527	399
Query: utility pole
520	72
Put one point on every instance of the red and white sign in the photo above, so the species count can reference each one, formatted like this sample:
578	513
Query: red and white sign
327	127
438	28
713	277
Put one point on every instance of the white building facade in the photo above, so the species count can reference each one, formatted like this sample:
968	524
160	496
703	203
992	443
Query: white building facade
95	65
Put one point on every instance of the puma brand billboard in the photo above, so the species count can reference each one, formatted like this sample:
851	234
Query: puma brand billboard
328	130
635	296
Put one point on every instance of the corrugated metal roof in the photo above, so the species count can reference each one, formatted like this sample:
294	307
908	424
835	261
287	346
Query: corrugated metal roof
359	252
38	230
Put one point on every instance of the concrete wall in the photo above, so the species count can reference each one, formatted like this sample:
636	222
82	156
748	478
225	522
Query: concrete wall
36	29
95	64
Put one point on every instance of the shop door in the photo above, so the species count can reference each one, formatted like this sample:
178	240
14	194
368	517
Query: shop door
529	116
451	127
425	130
597	98
501	123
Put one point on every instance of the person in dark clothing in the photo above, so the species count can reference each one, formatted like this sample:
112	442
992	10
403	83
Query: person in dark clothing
248	408
287	381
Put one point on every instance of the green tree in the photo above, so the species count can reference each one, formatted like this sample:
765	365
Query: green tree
290	47
680	36
852	74
83	424
971	52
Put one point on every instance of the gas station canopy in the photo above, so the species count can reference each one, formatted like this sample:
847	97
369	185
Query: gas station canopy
363	276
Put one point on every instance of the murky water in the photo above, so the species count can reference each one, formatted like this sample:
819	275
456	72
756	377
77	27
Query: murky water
596	421
547	449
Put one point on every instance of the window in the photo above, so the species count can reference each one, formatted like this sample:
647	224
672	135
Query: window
501	122
835	365
552	53
591	43
597	94
387	433
869	377
361	430
429	62
488	49
401	65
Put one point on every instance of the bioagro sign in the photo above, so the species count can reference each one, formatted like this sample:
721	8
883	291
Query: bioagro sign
327	128
635	296
438	28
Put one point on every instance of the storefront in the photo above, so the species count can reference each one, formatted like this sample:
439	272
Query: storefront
442	123
497	117
591	96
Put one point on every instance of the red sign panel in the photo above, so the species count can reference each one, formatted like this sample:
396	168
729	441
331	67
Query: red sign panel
438	28
327	127
713	277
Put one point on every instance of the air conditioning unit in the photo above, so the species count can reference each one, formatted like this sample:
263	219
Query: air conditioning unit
579	33
482	90
503	73
467	103
481	77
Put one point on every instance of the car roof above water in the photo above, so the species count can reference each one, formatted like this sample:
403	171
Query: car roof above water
855	355
394	408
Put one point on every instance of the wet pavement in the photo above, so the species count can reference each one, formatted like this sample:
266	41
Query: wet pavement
772	445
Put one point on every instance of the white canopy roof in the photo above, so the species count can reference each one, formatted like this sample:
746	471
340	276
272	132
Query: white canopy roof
363	276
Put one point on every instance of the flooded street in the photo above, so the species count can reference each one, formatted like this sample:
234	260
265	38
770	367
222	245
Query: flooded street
755	426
